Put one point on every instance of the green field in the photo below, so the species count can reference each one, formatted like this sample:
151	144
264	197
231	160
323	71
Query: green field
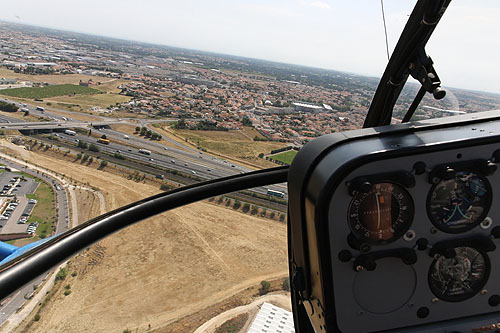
285	157
49	91
44	212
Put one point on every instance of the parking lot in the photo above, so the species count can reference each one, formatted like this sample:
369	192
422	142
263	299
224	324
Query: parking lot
17	208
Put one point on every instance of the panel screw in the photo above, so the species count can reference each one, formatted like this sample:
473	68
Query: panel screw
487	222
409	236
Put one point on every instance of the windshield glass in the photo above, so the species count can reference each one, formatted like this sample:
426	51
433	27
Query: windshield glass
463	53
105	104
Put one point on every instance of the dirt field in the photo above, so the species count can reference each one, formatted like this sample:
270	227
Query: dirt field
84	102
87	205
162	270
238	144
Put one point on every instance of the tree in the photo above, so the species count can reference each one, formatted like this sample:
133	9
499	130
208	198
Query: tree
103	164
246	121
264	287
165	187
93	147
61	275
286	284
181	124
261	155
237	204
246	207
118	156
83	144
137	128
8	107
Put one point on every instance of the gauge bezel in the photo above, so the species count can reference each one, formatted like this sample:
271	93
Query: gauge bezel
400	231
462	297
464	228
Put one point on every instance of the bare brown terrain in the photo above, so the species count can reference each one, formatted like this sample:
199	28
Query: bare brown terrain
161	271
235	145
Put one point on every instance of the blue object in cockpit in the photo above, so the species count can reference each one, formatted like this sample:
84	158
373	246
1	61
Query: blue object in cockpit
9	252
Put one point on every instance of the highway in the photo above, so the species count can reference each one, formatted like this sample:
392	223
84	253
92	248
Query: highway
197	164
183	159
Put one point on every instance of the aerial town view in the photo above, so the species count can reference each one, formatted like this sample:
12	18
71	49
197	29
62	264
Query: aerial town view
90	124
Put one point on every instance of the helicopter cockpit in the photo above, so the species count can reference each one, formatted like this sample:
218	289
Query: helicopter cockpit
391	228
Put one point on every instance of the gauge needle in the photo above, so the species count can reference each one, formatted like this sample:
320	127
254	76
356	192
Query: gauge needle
378	211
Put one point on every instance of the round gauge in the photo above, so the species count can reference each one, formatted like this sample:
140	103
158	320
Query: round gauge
382	214
461	277
459	204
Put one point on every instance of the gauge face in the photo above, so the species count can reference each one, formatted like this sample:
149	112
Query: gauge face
459	204
459	278
381	215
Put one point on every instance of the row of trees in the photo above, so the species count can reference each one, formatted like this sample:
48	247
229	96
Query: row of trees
147	133
265	286
248	208
92	147
204	125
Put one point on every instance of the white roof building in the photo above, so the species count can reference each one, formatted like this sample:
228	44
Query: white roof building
272	319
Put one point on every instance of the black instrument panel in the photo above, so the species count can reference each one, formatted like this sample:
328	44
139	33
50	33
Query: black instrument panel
391	223
411	230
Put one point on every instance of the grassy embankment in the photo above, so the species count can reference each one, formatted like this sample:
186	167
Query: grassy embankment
44	212
284	157
238	144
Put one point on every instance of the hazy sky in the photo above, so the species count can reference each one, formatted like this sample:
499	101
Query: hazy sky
343	35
